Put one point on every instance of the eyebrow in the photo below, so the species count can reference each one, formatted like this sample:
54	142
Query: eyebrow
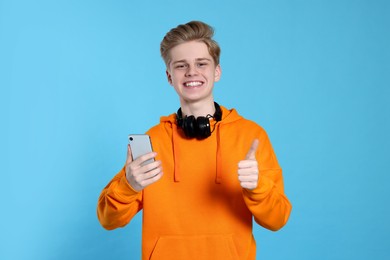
198	59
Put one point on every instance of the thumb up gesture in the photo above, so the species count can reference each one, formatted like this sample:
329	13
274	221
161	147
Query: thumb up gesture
248	171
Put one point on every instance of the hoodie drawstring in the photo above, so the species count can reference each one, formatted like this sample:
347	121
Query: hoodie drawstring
176	152
218	177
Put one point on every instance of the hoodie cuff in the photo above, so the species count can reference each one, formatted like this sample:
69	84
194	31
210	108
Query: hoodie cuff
264	186
125	187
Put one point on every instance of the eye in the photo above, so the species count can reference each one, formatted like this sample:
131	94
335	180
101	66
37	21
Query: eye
180	66
202	64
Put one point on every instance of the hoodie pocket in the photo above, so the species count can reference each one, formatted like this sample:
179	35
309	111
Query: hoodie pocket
213	247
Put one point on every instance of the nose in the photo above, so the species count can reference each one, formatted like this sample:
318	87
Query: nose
191	71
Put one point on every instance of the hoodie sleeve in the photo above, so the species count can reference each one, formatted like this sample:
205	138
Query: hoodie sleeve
268	203
118	202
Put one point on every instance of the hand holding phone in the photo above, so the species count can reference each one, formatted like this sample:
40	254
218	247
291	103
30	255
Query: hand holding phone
141	167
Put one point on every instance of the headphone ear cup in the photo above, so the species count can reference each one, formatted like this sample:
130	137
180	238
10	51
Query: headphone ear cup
189	126
203	124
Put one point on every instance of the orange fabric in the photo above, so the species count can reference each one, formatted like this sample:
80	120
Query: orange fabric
198	210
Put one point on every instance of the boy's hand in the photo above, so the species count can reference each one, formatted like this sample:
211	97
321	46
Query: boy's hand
248	171
140	176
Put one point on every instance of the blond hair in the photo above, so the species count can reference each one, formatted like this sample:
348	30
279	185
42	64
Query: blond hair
192	31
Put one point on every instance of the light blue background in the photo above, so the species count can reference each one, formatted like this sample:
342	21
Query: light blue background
77	76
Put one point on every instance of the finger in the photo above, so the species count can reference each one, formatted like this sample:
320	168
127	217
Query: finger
150	166
248	171
146	179
247	164
149	181
152	173
251	155
249	185
145	157
248	178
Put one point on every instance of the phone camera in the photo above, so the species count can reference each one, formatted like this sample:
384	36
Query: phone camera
131	138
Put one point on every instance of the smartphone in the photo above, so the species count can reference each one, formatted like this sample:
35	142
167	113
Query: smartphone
140	144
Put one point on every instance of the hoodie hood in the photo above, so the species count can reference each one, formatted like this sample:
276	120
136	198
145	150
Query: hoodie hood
228	117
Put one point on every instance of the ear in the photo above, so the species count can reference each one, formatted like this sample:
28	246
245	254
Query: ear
169	77
218	73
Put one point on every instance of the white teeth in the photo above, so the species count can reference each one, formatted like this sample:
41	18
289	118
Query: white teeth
193	84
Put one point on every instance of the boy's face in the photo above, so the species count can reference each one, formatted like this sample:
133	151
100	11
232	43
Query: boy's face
192	71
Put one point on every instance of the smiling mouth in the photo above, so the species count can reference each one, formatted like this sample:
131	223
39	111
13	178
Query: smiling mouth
193	84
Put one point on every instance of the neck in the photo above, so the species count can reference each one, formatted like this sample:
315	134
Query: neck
202	108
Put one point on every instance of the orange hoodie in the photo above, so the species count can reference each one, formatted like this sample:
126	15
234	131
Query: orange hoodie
198	209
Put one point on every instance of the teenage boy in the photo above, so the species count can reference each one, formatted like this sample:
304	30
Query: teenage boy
214	171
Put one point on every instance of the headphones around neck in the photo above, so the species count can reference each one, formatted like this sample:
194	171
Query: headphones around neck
197	127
